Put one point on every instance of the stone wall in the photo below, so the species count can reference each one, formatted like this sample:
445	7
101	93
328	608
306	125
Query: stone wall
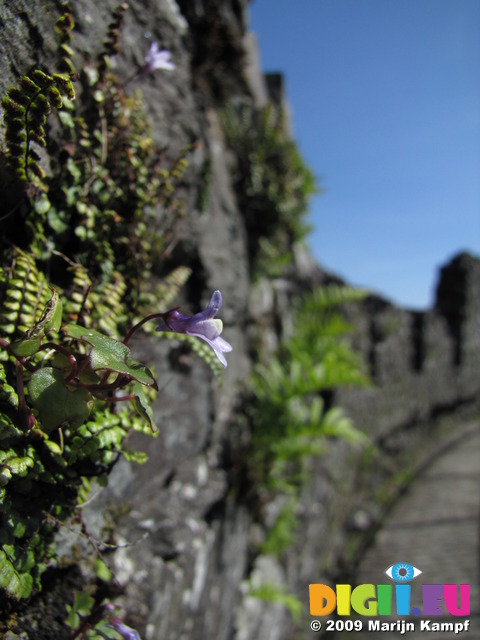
424	376
422	363
187	544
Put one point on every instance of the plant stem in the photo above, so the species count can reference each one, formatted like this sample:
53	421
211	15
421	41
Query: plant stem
137	326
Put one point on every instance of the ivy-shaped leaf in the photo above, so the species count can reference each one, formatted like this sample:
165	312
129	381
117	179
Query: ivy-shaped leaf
82	605
55	402
110	354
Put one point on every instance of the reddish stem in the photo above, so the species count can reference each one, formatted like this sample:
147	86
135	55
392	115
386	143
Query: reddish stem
26	419
137	326
120	381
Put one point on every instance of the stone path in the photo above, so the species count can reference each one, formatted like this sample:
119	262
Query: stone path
434	527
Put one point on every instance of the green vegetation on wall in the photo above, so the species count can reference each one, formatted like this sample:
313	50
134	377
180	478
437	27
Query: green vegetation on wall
291	416
81	259
273	184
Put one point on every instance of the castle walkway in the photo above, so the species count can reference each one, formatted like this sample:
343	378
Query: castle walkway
435	528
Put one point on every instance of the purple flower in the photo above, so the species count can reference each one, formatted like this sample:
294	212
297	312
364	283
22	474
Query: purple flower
201	325
157	59
127	633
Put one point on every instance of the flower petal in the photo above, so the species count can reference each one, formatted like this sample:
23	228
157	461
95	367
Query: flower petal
214	304
157	59
223	344
210	329
220	356
202	325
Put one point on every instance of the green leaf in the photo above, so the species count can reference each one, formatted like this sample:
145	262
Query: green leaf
7	392
15	583
102	571
270	592
17	463
63	82
140	457
338	425
142	405
50	321
83	603
52	315
103	630
55	402
56	221
26	346
56	452
8	429
42	205
110	354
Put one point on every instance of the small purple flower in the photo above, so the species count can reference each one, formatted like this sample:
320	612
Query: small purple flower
201	325
157	59
127	633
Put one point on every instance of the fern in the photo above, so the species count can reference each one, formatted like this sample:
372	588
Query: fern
162	294
112	43
283	532
25	114
64	26
270	592
169	288
24	294
292	420
199	347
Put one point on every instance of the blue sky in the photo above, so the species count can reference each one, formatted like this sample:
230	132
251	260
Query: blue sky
385	101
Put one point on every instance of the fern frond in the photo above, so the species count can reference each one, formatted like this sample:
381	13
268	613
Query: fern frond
332	295
199	347
64	27
97	305
111	44
109	310
24	296
78	305
25	111
168	289
291	417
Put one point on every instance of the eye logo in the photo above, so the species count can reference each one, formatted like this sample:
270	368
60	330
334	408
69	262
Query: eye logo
380	600
402	572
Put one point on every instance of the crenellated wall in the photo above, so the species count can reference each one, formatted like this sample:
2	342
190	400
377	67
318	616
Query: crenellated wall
422	363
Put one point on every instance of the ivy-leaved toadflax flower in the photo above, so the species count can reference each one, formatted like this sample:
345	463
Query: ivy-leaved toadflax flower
157	59
202	325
